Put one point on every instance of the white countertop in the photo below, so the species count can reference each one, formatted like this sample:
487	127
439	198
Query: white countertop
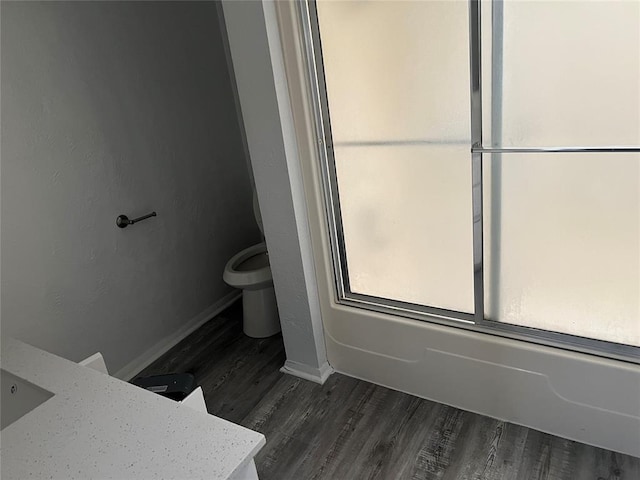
96	426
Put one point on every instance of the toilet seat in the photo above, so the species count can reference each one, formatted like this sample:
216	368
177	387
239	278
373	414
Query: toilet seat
250	279
250	271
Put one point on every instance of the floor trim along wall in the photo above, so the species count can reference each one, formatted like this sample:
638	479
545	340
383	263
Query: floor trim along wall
317	375
163	346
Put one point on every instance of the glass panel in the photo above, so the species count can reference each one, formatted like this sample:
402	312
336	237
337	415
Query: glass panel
397	79
407	223
563	73
562	243
396	71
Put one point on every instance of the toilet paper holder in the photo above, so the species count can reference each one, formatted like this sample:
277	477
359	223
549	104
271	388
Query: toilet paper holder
123	221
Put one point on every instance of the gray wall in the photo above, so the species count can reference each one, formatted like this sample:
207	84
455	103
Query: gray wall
112	108
263	92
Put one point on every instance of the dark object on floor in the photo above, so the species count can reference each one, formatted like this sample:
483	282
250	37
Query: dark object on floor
175	386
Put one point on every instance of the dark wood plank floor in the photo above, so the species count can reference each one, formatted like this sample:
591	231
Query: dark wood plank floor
351	429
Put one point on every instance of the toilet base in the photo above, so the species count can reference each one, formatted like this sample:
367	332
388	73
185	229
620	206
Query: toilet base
260	313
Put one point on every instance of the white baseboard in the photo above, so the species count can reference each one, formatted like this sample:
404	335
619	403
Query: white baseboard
163	346
317	375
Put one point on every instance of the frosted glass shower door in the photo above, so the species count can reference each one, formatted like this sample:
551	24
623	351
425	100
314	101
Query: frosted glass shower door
566	73
481	163
562	248
398	97
561	229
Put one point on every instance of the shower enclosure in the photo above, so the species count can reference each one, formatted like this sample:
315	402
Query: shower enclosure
481	164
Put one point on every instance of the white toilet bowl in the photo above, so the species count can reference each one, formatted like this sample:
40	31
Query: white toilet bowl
250	271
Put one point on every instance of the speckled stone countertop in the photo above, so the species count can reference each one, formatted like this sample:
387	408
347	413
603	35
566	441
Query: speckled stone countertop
96	426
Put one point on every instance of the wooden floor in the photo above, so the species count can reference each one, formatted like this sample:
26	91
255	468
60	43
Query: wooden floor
351	429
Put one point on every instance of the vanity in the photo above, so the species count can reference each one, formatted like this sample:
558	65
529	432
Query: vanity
64	420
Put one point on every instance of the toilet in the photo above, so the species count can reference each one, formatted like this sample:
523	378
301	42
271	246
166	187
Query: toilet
249	270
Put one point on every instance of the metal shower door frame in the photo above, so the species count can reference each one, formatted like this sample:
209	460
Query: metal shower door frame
475	321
